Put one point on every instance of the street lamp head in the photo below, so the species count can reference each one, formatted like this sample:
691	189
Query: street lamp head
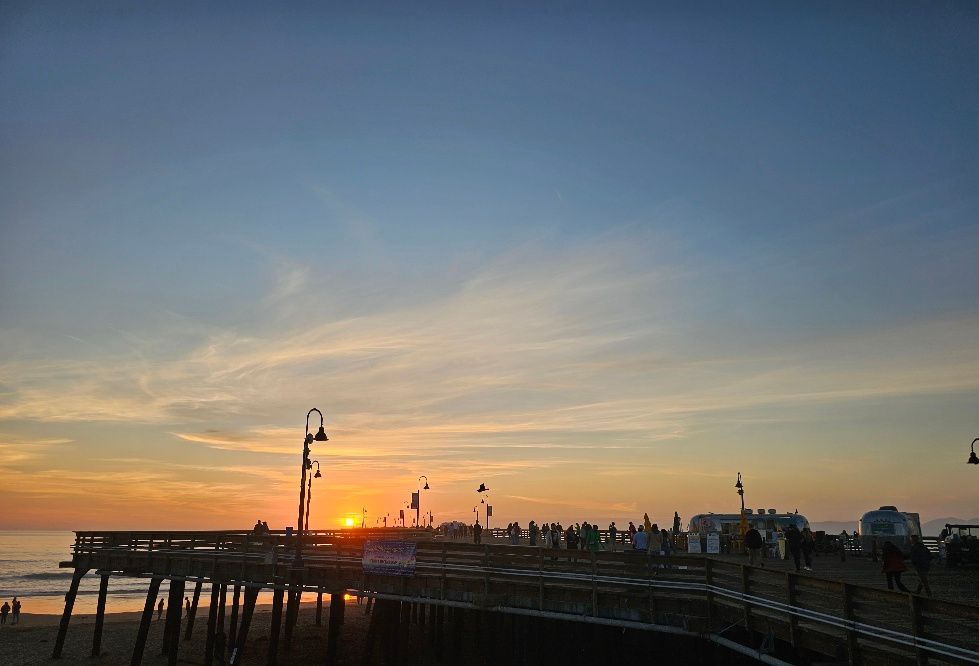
973	460
739	485
426	486
317	475
321	435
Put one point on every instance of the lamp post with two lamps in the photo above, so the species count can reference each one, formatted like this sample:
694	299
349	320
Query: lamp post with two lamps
743	525
418	504
320	436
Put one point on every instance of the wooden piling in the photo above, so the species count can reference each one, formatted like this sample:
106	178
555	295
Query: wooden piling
193	610
276	626
100	616
145	621
171	627
336	621
212	621
59	644
248	609
319	608
233	629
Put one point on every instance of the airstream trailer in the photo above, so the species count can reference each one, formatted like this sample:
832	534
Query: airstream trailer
766	522
888	524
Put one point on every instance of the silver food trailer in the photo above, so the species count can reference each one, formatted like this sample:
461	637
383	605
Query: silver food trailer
765	521
888	524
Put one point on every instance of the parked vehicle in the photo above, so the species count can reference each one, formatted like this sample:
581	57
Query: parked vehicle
888	524
766	522
962	544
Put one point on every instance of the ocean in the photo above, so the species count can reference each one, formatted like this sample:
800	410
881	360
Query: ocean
29	570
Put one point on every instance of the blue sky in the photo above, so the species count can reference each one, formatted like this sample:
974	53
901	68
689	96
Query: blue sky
640	241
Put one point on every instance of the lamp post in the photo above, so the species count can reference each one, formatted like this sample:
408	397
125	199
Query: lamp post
363	518
418	505
309	489
973	460
743	526
310	438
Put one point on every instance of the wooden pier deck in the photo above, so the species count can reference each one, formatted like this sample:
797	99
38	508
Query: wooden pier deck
772	615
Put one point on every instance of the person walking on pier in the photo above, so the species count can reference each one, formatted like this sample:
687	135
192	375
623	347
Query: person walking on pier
753	543
477	533
592	540
612	535
667	545
893	566
532	533
921	561
808	546
632	531
640	542
793	539
3	612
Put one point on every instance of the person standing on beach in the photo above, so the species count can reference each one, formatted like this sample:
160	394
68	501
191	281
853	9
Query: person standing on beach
15	617
3	612
187	606
159	610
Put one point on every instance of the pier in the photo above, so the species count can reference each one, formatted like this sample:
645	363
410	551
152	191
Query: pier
769	615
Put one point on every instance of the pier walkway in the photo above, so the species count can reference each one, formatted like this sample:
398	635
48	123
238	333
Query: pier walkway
774	616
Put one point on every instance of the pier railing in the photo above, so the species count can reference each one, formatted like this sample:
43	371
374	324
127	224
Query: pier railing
690	594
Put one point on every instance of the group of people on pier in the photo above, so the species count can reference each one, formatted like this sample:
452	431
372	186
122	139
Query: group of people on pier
647	537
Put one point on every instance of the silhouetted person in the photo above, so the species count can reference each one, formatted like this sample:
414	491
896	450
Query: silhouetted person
753	543
893	566
921	561
159	610
793	539
808	546
477	533
676	522
15	615
640	540
667	544
187	606
3	612
613	532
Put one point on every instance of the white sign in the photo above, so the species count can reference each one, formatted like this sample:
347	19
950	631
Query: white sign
714	544
693	542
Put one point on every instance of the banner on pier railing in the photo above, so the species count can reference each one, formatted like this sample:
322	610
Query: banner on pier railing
390	558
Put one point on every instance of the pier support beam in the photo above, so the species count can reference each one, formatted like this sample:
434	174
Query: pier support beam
292	613
171	626
193	610
100	616
276	626
336	621
319	608
59	644
145	621
248	609
212	621
233	629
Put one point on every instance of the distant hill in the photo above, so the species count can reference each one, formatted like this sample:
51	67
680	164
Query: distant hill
834	526
933	527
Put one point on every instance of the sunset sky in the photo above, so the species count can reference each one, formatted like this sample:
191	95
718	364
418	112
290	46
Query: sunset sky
599	261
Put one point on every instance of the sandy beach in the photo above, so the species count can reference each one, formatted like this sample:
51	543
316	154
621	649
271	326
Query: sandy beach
31	641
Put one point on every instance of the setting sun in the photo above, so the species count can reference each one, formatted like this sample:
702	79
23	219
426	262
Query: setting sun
349	522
